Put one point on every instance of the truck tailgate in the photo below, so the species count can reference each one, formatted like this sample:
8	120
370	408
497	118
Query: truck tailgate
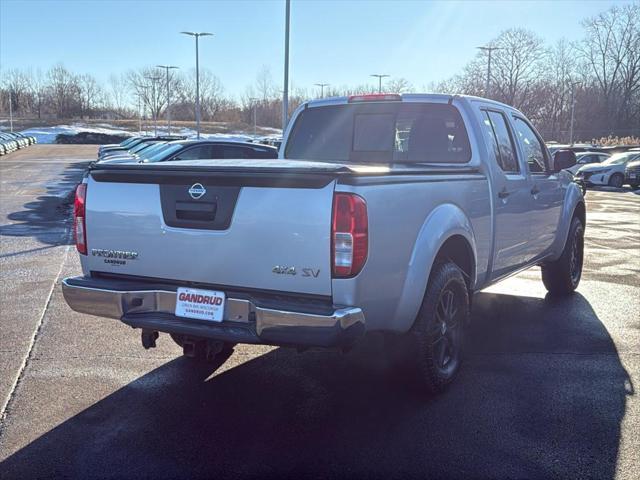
246	228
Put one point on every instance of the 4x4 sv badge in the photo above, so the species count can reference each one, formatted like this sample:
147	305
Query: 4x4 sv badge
306	272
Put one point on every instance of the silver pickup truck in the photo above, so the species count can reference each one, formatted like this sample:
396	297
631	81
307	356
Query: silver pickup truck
382	213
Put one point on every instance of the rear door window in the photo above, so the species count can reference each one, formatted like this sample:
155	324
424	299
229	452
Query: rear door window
497	130
380	133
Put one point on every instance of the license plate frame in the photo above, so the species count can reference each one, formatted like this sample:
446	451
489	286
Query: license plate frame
199	304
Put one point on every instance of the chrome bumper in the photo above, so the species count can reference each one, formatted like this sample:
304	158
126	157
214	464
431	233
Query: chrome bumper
243	321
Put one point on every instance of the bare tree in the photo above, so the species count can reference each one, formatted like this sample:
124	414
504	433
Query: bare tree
399	85
145	85
118	93
516	66
17	83
90	93
63	87
265	86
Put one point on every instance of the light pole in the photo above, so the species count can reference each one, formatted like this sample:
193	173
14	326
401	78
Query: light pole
285	93
487	86
254	101
10	113
154	106
573	105
321	85
197	36
139	116
379	77
167	68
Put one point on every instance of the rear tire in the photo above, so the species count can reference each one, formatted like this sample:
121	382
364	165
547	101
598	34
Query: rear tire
432	350
562	276
616	180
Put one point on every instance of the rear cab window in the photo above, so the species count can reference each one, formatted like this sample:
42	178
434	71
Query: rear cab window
385	132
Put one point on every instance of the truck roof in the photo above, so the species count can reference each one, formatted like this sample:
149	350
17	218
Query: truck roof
405	97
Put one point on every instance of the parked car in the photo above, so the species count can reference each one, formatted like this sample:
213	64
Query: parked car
384	213
132	143
120	145
29	138
632	174
610	172
587	158
2	149
136	154
212	149
139	147
9	142
21	141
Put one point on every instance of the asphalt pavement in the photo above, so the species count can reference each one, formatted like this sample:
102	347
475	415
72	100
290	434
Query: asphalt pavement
547	389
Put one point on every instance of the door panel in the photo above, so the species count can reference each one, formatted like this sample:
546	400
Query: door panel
512	196
546	191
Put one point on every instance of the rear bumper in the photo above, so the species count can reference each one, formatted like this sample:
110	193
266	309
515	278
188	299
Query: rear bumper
245	320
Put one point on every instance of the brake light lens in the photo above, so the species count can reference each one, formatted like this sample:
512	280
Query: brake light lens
349	235
79	224
376	97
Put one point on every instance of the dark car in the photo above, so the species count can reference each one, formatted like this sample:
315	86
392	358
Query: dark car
632	174
211	149
133	142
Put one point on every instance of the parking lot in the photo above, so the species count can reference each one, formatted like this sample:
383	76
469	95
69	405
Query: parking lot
548	389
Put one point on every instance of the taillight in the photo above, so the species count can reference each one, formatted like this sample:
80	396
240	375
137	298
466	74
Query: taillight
79	223
349	234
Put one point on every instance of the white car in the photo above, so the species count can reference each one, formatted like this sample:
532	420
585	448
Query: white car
610	172
587	158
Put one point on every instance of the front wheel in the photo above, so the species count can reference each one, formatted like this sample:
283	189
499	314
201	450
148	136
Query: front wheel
616	180
562	276
433	347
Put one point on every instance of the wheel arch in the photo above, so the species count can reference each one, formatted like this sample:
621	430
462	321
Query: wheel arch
446	234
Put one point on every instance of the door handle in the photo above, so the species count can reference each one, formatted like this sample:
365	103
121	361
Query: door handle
535	190
503	193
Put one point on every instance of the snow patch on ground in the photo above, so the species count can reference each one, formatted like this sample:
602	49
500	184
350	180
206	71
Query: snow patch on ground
49	134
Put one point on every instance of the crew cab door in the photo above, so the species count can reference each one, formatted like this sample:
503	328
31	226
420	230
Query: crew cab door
546	192
511	188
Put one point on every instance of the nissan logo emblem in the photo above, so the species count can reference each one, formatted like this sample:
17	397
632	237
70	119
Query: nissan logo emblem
197	190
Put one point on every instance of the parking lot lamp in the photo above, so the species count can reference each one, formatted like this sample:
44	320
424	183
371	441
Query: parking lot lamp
573	106
321	85
254	102
379	77
10	113
197	36
154	106
285	92
167	68
487	87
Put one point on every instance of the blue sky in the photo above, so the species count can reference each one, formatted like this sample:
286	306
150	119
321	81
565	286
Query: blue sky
338	42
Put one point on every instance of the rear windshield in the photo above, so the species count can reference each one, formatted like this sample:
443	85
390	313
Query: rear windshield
380	133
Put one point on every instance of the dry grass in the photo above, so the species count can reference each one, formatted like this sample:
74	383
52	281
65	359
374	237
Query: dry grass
612	141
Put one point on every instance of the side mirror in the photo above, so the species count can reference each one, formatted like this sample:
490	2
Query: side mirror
563	159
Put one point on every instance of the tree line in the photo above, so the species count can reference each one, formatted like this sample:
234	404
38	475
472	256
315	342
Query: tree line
598	75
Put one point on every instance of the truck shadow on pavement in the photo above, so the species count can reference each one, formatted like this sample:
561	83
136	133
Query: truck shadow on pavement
542	395
47	219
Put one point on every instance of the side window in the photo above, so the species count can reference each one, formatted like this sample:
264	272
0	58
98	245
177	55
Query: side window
193	153
498	132
531	146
